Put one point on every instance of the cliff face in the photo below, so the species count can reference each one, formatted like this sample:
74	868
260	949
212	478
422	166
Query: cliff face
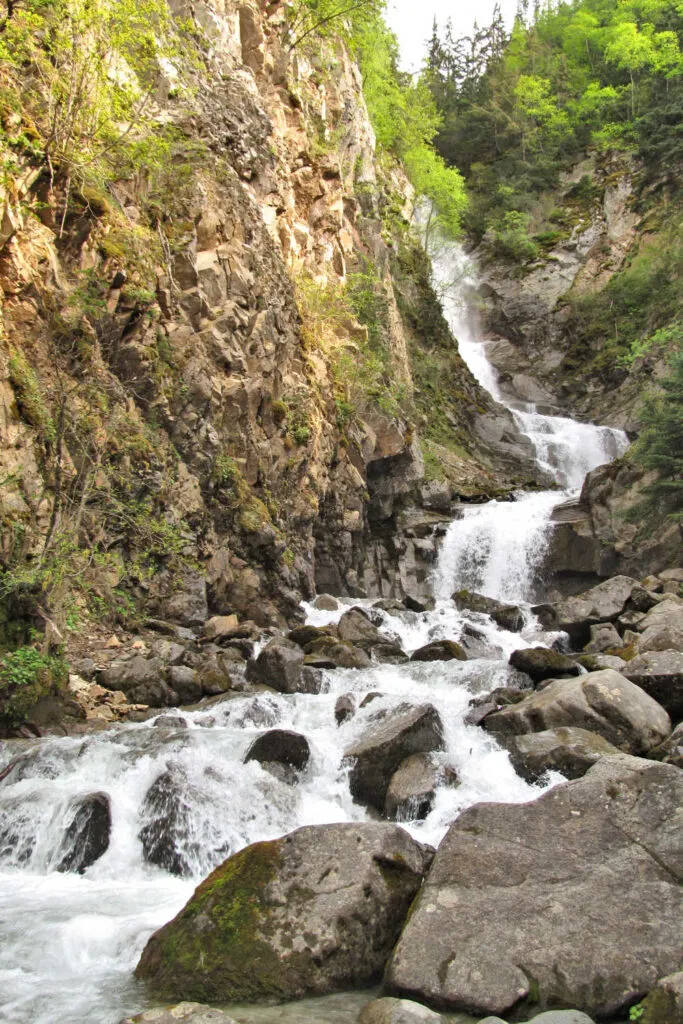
207	389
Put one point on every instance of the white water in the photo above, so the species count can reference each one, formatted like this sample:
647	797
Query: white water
70	942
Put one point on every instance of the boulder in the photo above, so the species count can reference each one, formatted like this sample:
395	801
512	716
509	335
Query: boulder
220	626
541	663
390	738
133	673
603	637
672	574
643	599
664	1003
671	750
660	673
280	746
567	750
574	615
344	708
561	1017
668	612
660	638
573	899
334	653
186	684
412	789
596	662
303	635
279	665
313	912
355	627
439	650
86	837
213	674
508	616
389	654
326	603
398	1011
604	702
185	1013
414	604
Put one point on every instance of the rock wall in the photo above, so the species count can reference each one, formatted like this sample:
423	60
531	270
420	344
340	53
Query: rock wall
175	438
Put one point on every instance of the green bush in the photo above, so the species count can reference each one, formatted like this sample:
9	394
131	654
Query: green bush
26	675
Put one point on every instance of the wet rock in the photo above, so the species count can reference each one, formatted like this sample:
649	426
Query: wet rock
483	706
344	709
664	1003
507	616
186	683
575	615
355	626
279	665
282	747
390	604
414	604
170	722
439	650
412	789
601	851
213	674
540	663
326	603
389	654
398	1011
660	673
185	1013
87	835
389	740
603	637
303	635
643	599
603	702
316	911
167	831
337	654
567	750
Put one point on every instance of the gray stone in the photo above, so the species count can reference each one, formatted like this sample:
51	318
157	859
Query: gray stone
345	708
664	1003
279	665
398	1011
541	663
566	750
412	789
603	603
604	702
562	1017
329	652
671	587
596	662
390	738
660	673
181	1013
325	907
213	673
604	637
355	626
439	650
185	682
667	613
282	746
389	654
572	899
326	603
133	672
508	616
671	750
86	837
672	574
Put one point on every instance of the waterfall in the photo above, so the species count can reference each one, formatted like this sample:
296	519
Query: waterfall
70	941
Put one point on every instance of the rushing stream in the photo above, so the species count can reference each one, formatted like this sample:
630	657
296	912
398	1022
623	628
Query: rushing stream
70	942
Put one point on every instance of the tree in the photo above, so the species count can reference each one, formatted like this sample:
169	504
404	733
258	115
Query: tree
660	446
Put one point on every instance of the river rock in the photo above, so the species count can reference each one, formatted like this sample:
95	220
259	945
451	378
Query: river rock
567	750
596	662
303	635
186	684
561	1017
412	789
344	708
316	911
508	616
573	899
574	615
664	1003
355	627
541	663
282	747
87	835
660	673
398	1011
336	653
671	750
143	680
326	603
186	1013
220	626
213	673
279	665
389	654
439	650
414	604
603	702
603	637
167	834
390	738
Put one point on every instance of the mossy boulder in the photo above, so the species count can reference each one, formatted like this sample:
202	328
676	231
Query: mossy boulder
540	663
440	650
314	912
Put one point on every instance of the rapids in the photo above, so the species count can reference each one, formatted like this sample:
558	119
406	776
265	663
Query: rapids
70	942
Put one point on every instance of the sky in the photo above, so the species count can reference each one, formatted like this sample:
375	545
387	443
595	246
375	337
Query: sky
411	20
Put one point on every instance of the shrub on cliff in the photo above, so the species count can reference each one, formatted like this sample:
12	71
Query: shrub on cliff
660	446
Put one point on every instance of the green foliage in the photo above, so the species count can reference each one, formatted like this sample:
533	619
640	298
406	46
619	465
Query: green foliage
29	394
512	240
636	1012
660	445
26	675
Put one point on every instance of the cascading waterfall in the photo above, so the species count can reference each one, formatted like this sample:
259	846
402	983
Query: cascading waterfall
70	941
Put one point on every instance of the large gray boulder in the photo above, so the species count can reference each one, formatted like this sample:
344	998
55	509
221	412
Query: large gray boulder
412	789
575	615
566	750
573	899
86	837
313	912
508	616
280	665
398	1011
541	663
355	627
440	650
660	673
604	702
390	738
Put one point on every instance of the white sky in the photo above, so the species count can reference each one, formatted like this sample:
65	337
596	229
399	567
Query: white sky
411	20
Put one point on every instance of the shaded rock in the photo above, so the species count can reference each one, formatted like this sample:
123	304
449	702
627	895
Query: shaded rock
168	651
603	637
413	604
439	650
596	662
412	789
502	696
337	653
630	619
574	615
567	750
166	834
355	626
186	1013
660	673
220	626
186	684
671	750
664	1003
181	601
389	604
281	746
213	674
279	665
170	722
313	912
344	709
326	603
397	1011
389	740
508	616
643	599
389	654
603	852
132	673
303	635
86	836
541	663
